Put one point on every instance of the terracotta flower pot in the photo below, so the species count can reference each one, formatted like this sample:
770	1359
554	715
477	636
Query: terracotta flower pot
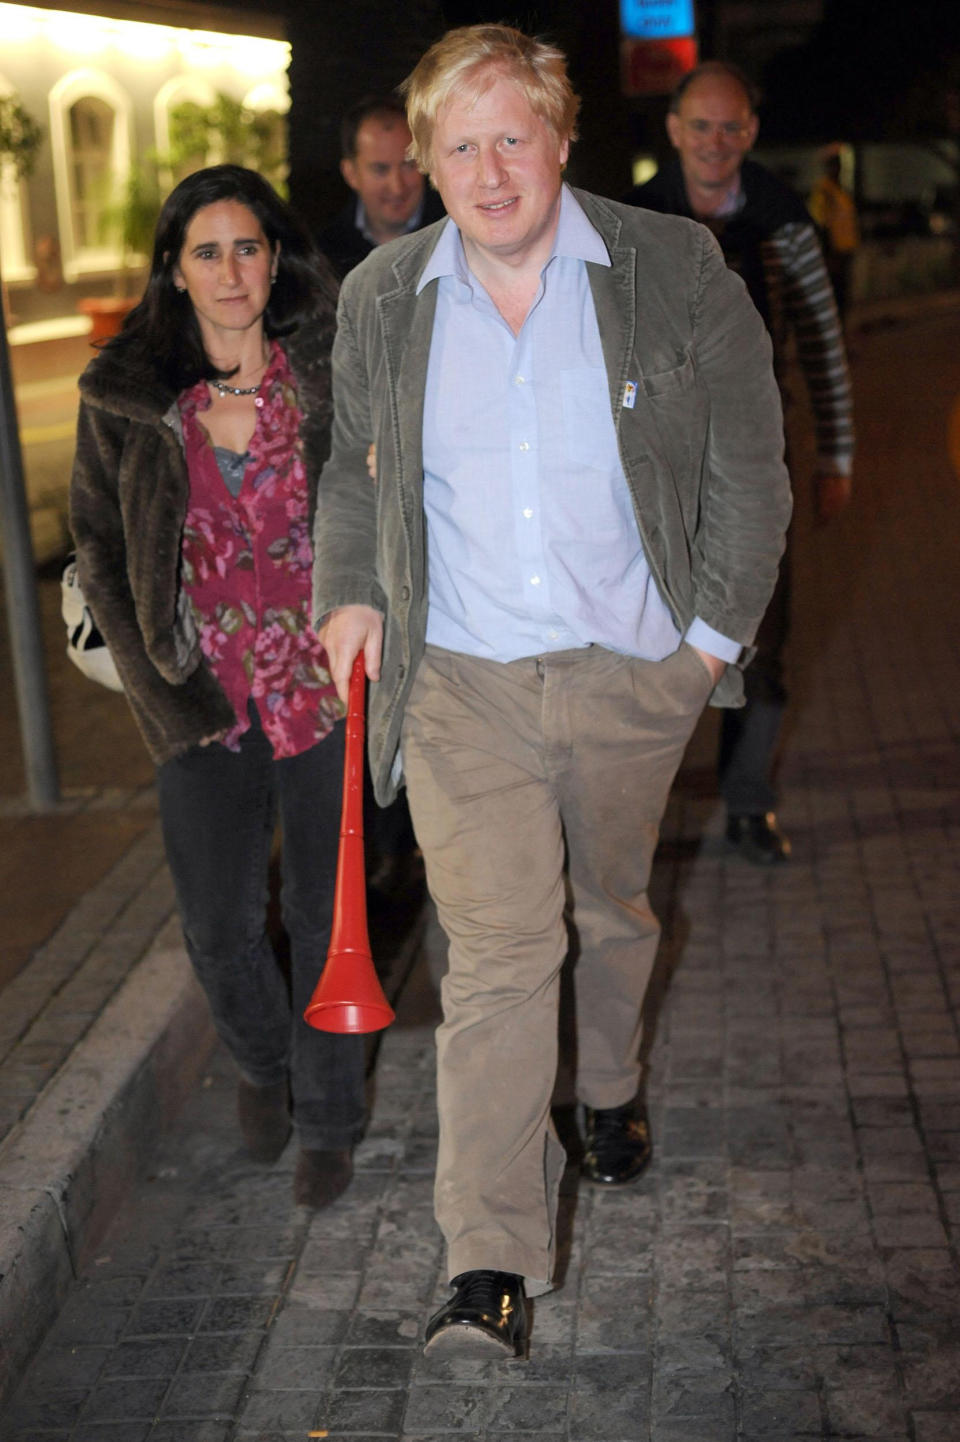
107	313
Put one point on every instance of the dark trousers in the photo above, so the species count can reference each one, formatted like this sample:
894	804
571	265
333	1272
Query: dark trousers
839	268
218	810
749	736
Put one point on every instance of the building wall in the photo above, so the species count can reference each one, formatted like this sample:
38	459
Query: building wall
136	63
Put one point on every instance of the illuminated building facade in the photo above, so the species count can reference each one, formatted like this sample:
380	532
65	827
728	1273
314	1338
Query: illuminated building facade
106	91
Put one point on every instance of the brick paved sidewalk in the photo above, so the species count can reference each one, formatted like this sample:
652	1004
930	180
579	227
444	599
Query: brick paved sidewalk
788	1269
55	999
783	1273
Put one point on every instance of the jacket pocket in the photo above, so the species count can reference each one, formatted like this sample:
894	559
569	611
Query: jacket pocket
665	383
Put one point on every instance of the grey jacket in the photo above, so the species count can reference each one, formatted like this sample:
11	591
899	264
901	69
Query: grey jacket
702	448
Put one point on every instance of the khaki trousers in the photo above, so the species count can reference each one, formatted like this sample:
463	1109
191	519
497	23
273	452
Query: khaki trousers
507	766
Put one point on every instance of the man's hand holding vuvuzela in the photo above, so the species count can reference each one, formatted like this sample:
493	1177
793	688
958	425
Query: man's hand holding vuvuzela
345	632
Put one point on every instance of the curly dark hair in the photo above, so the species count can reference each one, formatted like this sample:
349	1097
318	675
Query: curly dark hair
162	330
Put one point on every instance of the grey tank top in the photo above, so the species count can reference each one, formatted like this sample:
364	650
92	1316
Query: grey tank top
231	465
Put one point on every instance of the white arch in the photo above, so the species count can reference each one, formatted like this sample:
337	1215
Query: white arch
77	85
15	237
268	95
272	97
174	92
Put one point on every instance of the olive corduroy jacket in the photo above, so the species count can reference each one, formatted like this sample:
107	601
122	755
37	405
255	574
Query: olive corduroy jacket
700	440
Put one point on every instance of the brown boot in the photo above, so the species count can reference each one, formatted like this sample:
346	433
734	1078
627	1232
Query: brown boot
264	1116
321	1177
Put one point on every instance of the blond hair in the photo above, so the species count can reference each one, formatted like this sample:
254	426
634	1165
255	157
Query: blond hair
467	61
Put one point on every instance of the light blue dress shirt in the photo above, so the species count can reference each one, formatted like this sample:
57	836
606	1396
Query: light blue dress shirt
532	542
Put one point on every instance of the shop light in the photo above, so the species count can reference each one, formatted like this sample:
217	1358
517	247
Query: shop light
87	35
19	23
252	55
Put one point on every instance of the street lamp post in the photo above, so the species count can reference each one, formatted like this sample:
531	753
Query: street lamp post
23	611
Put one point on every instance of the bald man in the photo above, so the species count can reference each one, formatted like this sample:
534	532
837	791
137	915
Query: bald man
768	237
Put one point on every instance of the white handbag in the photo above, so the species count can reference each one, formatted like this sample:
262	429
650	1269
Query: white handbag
85	646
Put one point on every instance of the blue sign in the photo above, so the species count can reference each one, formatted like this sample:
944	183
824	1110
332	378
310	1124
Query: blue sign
656	19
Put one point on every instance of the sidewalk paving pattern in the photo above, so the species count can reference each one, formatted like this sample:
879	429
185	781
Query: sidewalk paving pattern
788	1267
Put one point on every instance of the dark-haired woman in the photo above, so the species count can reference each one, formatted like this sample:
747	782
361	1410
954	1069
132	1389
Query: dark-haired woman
202	430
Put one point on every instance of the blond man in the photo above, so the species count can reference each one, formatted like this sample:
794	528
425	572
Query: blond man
579	508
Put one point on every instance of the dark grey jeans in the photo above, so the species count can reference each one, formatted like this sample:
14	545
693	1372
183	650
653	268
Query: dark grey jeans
218	810
749	736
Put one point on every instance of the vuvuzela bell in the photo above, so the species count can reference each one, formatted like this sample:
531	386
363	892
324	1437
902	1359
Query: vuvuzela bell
348	997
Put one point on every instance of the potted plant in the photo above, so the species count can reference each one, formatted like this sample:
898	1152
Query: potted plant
200	135
20	136
130	221
20	139
226	131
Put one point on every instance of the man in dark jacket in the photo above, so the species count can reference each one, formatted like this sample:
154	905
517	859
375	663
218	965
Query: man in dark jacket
390	195
767	236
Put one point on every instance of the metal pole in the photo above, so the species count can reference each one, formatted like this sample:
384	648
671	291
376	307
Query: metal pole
23	611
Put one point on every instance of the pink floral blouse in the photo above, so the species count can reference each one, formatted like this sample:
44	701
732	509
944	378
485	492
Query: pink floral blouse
246	569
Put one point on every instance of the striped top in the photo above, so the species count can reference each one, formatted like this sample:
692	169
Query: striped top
801	302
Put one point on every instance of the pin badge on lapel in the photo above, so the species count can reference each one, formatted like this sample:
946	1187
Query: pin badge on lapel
629	394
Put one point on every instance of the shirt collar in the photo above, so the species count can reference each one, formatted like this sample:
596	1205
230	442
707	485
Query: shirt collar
360	220
576	239
732	202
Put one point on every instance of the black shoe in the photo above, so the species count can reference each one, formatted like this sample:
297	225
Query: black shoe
485	1317
758	839
321	1177
264	1117
617	1144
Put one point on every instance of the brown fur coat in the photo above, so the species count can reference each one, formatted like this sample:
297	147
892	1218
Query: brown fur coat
128	501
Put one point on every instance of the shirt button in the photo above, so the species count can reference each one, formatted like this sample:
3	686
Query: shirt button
520	380
534	580
524	445
258	401
527	513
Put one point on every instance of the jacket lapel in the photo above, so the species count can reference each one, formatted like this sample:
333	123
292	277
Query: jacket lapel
406	330
614	291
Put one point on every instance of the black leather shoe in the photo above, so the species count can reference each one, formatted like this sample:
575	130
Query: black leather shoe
617	1144
264	1117
758	839
484	1318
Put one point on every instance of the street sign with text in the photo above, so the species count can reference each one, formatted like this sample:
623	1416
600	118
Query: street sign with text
656	19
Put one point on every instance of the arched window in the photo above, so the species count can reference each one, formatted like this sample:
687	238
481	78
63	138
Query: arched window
173	101
91	149
270	103
90	128
15	240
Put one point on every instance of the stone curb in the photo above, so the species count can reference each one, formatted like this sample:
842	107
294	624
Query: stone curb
66	1166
